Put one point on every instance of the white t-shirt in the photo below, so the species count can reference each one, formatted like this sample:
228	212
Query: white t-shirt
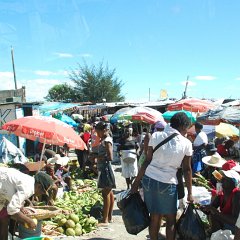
168	158
200	139
15	188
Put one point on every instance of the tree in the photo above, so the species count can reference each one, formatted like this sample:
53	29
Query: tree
95	83
62	93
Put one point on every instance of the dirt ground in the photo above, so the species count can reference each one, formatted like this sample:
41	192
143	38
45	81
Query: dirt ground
116	230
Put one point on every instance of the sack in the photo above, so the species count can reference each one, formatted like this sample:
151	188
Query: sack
190	226
106	177
134	213
180	186
120	196
96	211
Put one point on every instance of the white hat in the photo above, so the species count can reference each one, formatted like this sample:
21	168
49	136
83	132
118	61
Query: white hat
232	174
215	160
63	161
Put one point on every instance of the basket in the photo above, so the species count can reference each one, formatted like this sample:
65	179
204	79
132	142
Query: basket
44	212
35	166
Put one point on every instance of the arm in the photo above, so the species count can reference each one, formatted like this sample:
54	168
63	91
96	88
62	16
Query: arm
109	149
142	170
187	172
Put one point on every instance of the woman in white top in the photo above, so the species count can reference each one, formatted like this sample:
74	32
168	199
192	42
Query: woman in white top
15	188
199	147
159	175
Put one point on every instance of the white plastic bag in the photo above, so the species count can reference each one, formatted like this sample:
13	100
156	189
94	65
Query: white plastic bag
222	235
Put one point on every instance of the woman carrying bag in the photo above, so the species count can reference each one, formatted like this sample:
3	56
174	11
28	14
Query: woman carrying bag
159	174
106	180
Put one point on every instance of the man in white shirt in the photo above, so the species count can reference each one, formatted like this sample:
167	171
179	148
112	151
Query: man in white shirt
15	188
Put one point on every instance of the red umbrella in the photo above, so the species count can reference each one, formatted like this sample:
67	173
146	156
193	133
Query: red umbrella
192	105
45	129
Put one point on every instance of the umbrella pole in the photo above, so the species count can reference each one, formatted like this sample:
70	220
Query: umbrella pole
43	149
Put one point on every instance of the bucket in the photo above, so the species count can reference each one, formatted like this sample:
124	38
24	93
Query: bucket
28	233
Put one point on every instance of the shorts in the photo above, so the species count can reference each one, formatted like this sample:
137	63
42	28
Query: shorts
3	213
160	198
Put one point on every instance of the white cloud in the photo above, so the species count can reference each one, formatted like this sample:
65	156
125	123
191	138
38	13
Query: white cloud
205	78
64	55
86	55
51	73
190	83
37	89
44	73
6	81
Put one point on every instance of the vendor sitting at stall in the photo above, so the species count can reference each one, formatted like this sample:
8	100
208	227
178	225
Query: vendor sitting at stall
61	170
212	163
224	209
15	188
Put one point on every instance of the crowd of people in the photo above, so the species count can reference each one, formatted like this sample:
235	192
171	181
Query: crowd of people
154	158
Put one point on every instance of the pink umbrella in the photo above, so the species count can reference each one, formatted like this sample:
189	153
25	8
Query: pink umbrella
47	130
192	105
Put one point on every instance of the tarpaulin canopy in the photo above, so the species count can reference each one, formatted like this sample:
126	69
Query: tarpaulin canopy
49	107
9	153
221	114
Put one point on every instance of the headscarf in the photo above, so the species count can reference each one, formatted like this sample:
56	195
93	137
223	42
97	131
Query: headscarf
44	179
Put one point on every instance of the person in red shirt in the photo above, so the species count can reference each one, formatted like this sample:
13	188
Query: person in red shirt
223	149
228	201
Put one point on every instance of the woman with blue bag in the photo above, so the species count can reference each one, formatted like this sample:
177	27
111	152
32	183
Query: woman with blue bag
106	180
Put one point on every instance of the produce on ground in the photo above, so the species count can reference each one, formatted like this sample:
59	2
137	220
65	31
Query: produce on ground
79	203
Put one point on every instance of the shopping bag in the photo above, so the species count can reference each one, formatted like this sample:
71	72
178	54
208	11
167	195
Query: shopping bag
134	213
190	226
106	177
222	235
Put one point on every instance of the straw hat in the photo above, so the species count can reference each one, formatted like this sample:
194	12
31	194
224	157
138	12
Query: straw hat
63	161
214	161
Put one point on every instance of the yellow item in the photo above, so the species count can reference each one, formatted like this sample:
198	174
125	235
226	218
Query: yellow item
47	238
34	220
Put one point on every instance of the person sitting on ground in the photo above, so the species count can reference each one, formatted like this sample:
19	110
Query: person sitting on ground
199	147
212	162
224	149
228	201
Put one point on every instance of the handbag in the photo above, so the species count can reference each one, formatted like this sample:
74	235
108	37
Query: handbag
180	185
106	177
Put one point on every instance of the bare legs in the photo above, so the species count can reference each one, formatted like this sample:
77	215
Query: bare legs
155	225
108	202
129	182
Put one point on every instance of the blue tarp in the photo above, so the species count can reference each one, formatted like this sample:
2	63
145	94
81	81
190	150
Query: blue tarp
49	107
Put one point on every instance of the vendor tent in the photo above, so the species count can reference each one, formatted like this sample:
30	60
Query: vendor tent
9	153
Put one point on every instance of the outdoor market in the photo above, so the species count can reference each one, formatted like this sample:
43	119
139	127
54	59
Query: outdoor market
182	161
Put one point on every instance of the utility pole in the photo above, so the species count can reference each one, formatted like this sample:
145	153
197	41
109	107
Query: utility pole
185	91
14	73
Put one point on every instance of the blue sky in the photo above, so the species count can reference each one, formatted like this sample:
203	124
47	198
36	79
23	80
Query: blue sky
152	44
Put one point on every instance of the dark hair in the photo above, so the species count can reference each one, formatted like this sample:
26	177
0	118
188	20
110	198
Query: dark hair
180	119
198	125
102	126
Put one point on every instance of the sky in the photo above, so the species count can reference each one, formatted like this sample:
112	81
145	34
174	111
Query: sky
153	45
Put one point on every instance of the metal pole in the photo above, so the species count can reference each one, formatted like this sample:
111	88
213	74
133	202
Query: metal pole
14	73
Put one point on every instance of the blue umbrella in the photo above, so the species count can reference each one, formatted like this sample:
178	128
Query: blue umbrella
65	118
